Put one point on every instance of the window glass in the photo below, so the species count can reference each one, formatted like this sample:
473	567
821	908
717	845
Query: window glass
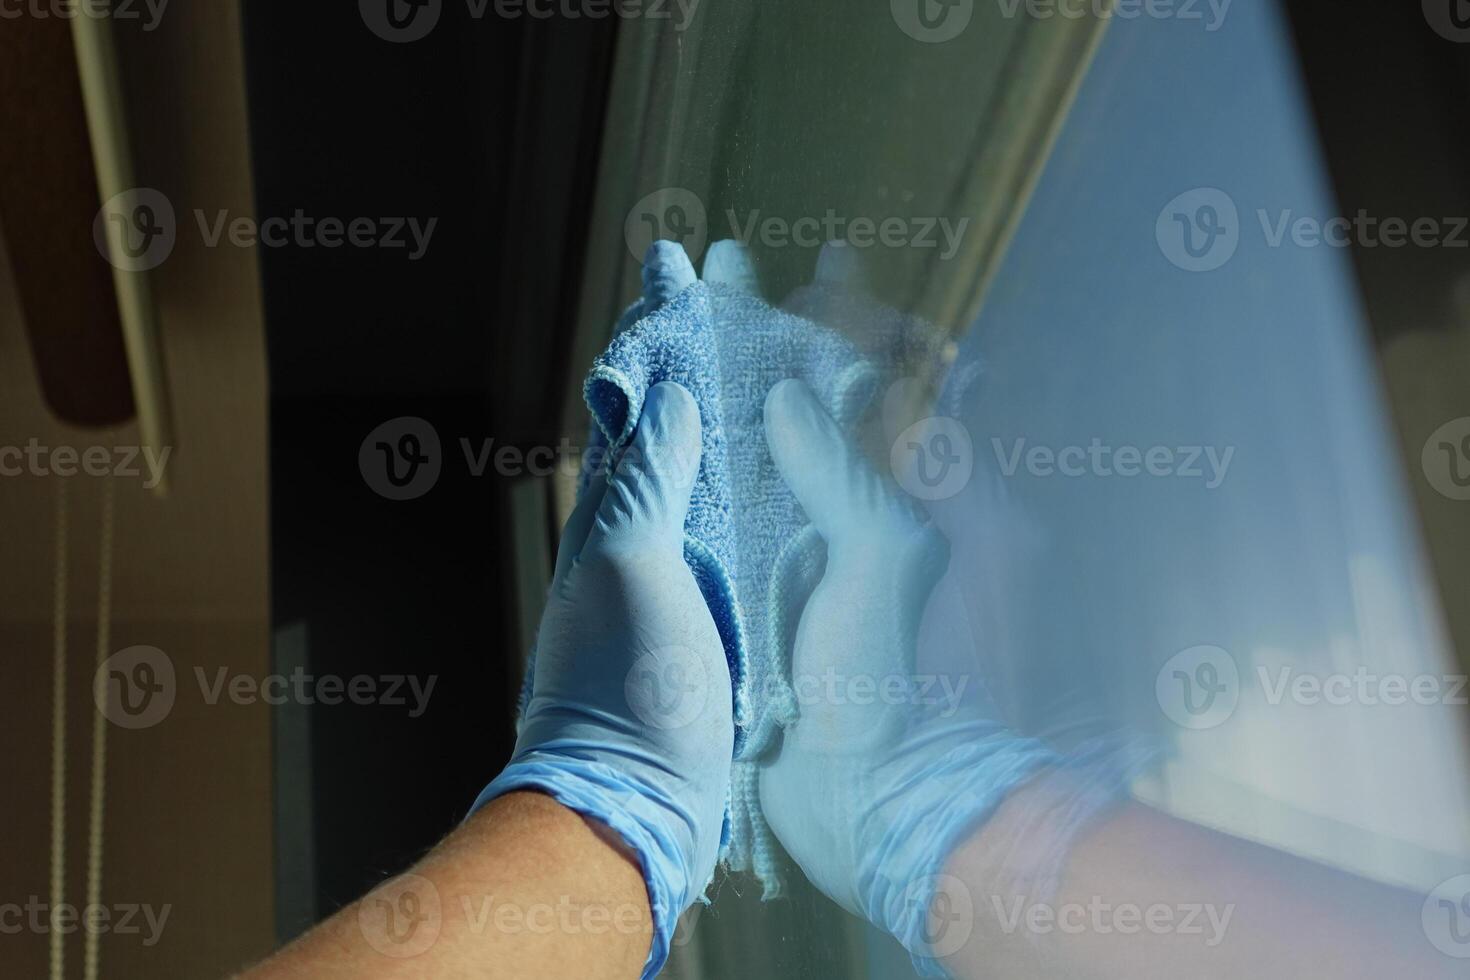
1185	522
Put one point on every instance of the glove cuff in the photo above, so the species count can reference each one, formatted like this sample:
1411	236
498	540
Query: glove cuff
637	812
957	794
1066	795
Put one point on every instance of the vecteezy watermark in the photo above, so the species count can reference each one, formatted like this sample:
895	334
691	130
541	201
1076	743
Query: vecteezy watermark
673	214
1361	687
932	21
1362	230
1446	459
1211	13
933	459
940	913
305	231
1198	688
677	214
137	688
36	915
1201	687
299	687
917	690
402	917
1100	917
812	231
566	916
684	928
1200	230
1206	463
1450	19
137	230
148	11
667	688
1445	917
401	21
402	459
126	462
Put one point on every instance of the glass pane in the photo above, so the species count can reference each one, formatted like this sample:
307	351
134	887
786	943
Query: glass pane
1185	525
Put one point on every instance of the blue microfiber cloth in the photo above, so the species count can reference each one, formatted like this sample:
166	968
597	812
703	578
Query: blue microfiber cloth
747	540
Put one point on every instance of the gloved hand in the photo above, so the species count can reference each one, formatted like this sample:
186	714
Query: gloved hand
630	718
884	772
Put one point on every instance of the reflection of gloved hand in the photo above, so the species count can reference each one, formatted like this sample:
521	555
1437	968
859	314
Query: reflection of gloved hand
630	720
880	777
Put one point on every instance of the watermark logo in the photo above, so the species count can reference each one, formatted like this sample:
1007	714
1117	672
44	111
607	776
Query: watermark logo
1362	230
942	691
942	914
673	214
667	688
1199	230
402	917
1361	687
566	916
1103	918
96	919
1446	459
1201	688
677	214
1209	12
1450	19
672	462
932	21
299	687
400	21
1446	917
135	230
1198	688
933	459
302	230
684	928
401	458
837	231
135	687
37	459
149	11
1206	463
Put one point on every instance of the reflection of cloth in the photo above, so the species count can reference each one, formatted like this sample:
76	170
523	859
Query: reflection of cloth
838	298
728	348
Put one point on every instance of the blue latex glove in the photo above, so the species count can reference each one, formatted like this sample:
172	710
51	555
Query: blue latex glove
630	720
873	788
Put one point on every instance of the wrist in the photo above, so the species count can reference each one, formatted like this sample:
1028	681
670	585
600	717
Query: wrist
650	828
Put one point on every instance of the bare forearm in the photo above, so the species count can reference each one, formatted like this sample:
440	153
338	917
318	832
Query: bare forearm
1144	893
525	888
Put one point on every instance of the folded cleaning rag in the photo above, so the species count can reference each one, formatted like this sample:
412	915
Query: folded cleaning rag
747	541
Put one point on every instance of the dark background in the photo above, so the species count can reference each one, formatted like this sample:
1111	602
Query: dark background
492	126
1392	104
